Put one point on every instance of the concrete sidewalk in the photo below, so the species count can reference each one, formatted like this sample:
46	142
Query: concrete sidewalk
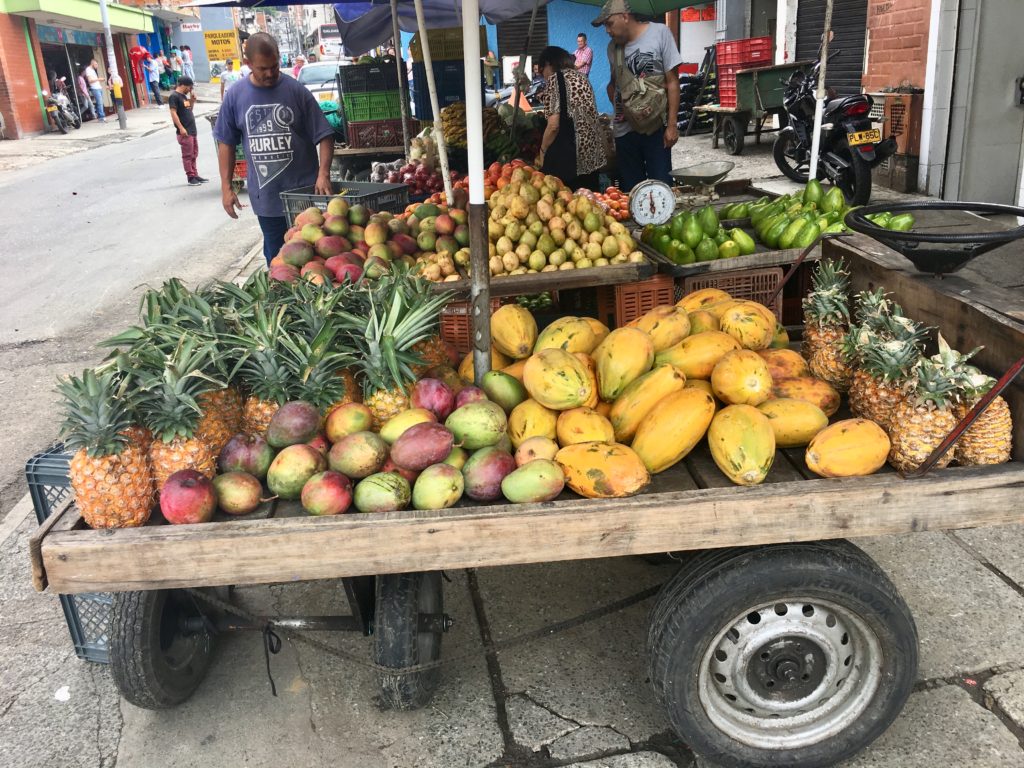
17	154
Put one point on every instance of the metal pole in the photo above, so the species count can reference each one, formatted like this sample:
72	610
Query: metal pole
479	285
403	81
122	122
442	150
819	95
74	82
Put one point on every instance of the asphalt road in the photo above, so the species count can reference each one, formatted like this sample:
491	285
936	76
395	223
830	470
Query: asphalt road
83	234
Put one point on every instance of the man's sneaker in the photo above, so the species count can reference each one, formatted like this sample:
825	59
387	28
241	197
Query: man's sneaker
194	181
200	179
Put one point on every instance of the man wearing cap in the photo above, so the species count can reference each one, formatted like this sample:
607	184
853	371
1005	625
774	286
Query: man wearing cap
648	54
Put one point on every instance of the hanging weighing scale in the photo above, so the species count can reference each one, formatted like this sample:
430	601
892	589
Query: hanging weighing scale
651	202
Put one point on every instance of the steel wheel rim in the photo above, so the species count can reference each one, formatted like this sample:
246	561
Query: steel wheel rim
820	685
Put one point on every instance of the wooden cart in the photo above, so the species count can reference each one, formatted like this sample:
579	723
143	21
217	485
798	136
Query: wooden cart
777	643
758	98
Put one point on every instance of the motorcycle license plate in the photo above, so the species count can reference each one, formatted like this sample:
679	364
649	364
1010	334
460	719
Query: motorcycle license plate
324	96
51	109
864	137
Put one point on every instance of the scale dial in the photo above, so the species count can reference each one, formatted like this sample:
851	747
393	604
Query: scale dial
651	202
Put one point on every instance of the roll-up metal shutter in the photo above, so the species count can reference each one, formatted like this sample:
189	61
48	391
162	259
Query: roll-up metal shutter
512	34
849	22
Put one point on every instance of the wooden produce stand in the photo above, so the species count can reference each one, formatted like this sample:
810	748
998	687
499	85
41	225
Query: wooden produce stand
796	596
519	285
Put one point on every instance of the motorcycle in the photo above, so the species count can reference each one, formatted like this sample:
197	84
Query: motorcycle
60	109
532	92
849	147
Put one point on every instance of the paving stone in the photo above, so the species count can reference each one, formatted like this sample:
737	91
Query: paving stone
534	726
1008	692
633	760
586	741
1002	546
966	616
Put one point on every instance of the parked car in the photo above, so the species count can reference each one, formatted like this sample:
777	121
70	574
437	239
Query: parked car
321	80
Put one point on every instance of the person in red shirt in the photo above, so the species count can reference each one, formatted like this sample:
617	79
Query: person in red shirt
584	55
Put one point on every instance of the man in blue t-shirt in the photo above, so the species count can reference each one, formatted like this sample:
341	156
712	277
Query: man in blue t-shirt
279	125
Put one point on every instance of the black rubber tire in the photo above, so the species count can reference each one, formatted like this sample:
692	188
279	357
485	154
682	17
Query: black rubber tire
779	147
397	641
60	122
733	130
718	585
76	120
153	664
856	182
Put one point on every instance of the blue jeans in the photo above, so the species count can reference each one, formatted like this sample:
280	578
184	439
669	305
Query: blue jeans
643	157
97	100
154	86
273	228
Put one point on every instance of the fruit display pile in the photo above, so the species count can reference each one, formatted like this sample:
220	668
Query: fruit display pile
614	201
691	237
496	130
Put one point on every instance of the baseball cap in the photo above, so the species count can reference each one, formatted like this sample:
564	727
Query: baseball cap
610	8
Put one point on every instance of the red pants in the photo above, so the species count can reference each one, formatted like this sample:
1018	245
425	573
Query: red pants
189	153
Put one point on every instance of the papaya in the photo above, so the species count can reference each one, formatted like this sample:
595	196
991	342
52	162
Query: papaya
794	422
749	324
602	470
784	363
833	200
781	338
514	331
673	427
625	355
717	309
813	193
516	369
742	444
806	236
771	236
666	325
696	355
642	394
706	250
557	380
703	386
696	301
708	220
741	378
604	408
591	366
531	419
791	232
676	225
848	448
571	334
498	362
583	425
693	233
808	388
701	321
600	329
903	222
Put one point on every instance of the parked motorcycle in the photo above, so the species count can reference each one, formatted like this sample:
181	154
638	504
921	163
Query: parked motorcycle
849	146
492	98
60	109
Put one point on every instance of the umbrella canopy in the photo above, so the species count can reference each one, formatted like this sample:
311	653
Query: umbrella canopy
650	7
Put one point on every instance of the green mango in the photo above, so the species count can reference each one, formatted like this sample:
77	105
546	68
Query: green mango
728	250
771	237
708	220
790	233
676	225
680	253
833	200
903	222
693	232
806	236
813	193
706	250
745	242
720	236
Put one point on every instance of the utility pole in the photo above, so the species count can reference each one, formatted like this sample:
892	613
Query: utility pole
122	121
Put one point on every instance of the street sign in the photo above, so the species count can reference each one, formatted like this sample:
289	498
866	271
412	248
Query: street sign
191	26
221	44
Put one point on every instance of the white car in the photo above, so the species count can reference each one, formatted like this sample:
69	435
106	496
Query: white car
320	78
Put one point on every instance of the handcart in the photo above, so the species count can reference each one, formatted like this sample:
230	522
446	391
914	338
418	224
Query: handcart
241	169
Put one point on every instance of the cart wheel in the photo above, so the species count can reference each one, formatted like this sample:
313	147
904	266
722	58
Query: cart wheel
237	185
732	134
156	661
793	655
400	641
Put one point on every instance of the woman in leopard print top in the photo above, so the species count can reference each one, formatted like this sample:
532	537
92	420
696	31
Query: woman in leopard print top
558	64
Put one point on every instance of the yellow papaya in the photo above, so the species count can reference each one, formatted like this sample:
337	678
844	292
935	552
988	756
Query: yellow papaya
848	448
794	422
625	355
516	369
701	321
741	378
808	388
784	363
600	329
604	408
697	355
498	362
514	331
742	444
557	380
583	425
673	427
781	338
642	394
749	324
572	334
602	470
703	386
698	300
531	419
591	367
666	325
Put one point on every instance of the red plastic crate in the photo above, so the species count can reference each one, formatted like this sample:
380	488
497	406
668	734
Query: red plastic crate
457	325
752	284
378	133
751	51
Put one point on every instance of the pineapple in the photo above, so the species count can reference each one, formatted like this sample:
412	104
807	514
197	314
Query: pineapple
264	370
989	439
433	352
925	417
880	381
110	474
352	392
222	416
826	316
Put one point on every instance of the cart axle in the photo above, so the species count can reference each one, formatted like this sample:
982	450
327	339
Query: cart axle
427	622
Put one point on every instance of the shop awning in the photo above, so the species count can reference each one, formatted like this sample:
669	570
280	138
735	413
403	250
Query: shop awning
166	14
81	14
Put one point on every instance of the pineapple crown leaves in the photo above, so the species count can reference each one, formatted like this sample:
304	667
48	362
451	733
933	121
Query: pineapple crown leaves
970	382
974	384
873	307
891	360
934	385
828	303
98	407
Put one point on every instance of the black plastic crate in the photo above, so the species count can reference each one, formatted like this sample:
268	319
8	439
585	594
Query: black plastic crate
367	78
88	615
377	197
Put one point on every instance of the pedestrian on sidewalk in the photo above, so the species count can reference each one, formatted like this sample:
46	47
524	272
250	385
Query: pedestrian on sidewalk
228	77
84	100
95	86
176	65
166	81
279	125
180	102
153	72
186	63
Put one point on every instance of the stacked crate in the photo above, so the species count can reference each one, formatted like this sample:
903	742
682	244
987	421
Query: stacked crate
449	70
371	104
733	55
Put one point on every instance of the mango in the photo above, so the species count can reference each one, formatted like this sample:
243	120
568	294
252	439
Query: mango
503	389
396	425
484	472
358	455
422	445
439	486
382	492
535	448
477	425
534	482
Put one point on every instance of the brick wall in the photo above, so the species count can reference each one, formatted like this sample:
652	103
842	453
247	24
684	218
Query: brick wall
19	101
897	43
